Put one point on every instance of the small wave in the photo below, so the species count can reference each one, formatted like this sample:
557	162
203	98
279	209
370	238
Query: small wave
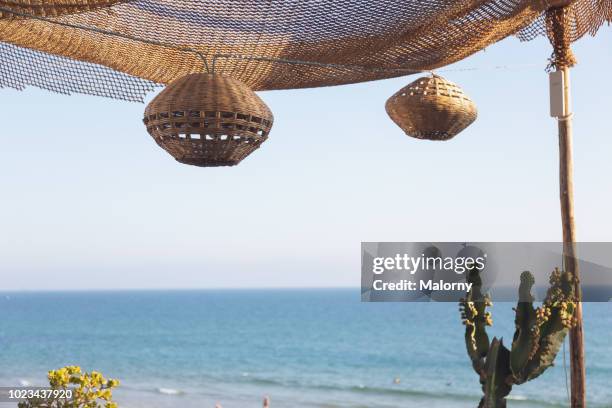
400	391
361	389
24	383
266	381
396	391
169	391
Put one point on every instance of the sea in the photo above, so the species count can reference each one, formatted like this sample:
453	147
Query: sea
301	347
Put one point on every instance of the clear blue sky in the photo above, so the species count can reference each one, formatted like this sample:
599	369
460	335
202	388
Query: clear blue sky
90	201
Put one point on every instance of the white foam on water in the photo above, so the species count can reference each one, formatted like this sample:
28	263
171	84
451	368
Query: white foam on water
169	391
517	397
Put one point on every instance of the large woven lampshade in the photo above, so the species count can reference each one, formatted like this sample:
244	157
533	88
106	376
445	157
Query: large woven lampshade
431	108
208	120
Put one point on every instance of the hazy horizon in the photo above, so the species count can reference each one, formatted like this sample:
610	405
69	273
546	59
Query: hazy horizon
194	289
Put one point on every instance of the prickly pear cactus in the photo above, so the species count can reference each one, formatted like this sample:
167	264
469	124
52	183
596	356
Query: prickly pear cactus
524	343
553	320
539	334
475	317
496	387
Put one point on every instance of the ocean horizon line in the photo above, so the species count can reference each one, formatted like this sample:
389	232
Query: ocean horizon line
198	289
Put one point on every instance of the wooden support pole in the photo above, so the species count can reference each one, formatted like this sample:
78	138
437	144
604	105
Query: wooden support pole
566	185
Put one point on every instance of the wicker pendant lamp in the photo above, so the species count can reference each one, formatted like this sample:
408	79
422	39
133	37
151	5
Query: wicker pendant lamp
208	120
431	108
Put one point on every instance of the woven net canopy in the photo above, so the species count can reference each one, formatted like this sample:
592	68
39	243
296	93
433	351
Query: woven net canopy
47	8
124	49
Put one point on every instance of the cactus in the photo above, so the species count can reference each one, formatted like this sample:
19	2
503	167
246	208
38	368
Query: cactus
553	321
539	334
476	319
496	386
524	342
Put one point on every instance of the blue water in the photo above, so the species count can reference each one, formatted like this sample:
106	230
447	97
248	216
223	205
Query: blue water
303	348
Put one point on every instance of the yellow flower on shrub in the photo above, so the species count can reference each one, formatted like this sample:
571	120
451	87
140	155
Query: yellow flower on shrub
89	390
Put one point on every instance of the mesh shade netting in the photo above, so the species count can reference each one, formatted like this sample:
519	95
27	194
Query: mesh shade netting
51	7
344	41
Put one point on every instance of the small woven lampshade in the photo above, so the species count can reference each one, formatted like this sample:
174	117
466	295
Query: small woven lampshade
431	108
208	120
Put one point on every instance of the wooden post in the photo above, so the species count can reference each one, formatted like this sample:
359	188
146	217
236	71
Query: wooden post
566	184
